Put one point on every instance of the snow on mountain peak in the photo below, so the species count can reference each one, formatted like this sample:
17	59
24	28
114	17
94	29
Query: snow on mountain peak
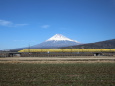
59	37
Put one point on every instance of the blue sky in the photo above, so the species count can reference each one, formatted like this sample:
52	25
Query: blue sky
24	22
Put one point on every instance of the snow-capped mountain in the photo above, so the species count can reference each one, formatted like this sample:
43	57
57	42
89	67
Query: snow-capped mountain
59	37
57	41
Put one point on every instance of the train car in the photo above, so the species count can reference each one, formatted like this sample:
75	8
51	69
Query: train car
67	50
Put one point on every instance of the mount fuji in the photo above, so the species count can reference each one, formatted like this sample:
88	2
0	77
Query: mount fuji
56	42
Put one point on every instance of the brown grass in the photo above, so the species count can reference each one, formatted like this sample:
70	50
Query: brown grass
58	60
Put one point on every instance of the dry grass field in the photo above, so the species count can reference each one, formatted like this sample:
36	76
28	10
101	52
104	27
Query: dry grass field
72	59
57	71
74	74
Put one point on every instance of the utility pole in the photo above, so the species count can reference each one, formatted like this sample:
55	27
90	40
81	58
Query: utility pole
29	49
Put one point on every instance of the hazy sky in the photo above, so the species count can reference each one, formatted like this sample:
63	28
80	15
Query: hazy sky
24	22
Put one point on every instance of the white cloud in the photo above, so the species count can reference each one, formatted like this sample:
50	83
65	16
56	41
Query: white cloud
5	23
20	25
10	24
45	26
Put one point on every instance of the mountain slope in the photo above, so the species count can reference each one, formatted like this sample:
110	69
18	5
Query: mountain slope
108	44
57	41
